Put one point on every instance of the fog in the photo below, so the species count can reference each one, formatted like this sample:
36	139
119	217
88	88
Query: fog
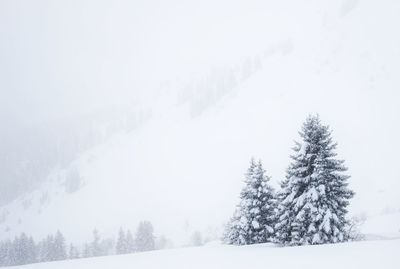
62	58
64	62
170	99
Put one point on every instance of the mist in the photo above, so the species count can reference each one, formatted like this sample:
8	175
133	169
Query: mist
115	112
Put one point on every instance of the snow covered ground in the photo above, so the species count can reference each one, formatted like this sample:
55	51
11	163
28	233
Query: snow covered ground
366	254
383	226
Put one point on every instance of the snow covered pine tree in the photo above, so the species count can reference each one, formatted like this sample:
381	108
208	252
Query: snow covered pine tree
121	247
315	194
254	219
145	239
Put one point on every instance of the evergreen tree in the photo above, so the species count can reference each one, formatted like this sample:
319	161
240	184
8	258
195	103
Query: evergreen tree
45	250
21	249
95	245
285	215
260	206
3	254
48	249
59	251
130	242
87	252
121	247
145	240
6	253
254	219
162	242
31	254
315	193
73	252
235	230
13	252
196	239
40	251
16	251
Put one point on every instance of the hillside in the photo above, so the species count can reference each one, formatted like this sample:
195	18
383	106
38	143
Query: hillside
183	168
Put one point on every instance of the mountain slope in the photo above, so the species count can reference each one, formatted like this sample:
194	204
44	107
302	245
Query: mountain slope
184	171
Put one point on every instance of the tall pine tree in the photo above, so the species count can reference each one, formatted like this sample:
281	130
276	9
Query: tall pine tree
315	195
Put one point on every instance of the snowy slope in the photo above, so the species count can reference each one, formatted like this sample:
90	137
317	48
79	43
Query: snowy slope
372	254
383	226
341	61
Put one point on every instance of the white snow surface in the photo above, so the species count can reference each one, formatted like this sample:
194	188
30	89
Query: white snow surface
383	226
363	255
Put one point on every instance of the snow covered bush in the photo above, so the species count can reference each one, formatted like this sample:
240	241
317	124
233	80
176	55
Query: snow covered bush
314	196
354	227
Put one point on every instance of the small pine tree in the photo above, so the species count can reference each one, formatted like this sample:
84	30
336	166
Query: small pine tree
48	249
196	239
121	247
73	252
31	255
59	248
17	251
145	240
23	250
95	245
40	251
260	206
45	249
5	253
161	242
315	194
87	251
254	219
130	242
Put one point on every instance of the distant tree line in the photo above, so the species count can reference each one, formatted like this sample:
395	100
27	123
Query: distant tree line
24	250
311	206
